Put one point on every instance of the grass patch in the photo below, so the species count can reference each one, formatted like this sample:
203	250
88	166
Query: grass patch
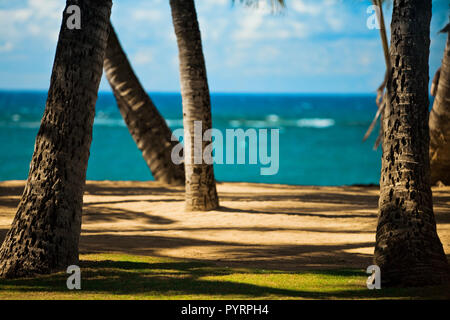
116	276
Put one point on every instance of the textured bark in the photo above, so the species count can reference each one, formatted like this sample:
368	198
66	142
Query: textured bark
201	191
146	125
45	231
440	124
408	249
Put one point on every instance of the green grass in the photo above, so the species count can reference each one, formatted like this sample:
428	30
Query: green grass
115	276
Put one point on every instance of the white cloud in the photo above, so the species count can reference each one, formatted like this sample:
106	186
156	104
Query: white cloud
143	56
147	15
310	38
212	30
8	46
306	8
249	27
47	9
321	14
36	18
302	19
209	5
300	29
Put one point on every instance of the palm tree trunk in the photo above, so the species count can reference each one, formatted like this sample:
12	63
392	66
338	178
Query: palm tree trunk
45	231
146	125
408	249
440	124
201	191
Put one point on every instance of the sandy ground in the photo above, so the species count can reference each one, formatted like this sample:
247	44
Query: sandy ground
259	225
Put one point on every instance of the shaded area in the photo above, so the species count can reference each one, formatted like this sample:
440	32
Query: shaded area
259	225
10	194
159	279
304	213
126	188
258	229
12	189
356	196
283	257
104	214
3	234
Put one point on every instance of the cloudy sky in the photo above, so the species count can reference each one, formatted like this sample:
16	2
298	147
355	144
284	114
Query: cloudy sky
313	46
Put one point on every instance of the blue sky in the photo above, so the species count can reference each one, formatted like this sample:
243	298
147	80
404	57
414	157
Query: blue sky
314	46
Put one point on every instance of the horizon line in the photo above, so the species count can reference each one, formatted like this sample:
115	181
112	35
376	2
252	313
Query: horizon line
212	92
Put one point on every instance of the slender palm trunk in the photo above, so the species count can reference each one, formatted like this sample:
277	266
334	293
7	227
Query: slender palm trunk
440	124
201	191
45	231
408	249
146	125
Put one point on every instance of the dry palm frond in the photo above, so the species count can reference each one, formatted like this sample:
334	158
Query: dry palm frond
378	141
383	99
446	29
437	75
374	121
435	82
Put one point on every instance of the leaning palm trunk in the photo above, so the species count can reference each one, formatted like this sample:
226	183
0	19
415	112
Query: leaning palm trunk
440	123
408	249
200	184
146	125
45	231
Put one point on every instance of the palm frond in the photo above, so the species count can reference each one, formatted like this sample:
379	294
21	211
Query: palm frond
383	98
446	29
435	82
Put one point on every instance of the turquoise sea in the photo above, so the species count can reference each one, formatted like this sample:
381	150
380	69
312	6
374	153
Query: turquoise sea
319	142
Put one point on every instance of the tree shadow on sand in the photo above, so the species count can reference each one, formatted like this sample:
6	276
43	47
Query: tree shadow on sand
287	257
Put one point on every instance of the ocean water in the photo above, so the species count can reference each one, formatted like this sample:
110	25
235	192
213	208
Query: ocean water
319	141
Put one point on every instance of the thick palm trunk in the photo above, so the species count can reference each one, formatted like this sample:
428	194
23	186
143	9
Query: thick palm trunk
200	184
440	124
408	249
146	125
45	231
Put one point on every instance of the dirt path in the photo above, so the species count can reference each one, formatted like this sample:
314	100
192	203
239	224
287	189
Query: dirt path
269	226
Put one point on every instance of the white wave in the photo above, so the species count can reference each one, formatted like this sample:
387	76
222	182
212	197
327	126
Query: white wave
23	124
273	121
36	124
315	123
100	121
279	123
257	123
235	123
29	124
